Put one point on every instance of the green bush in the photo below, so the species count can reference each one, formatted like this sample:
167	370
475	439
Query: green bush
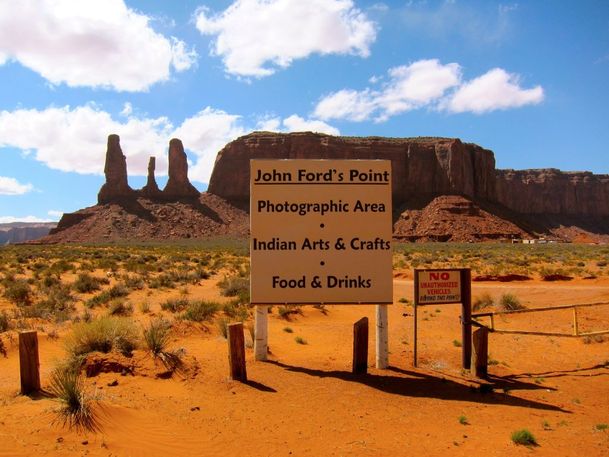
67	386
175	304
200	311
104	335
524	437
156	336
5	322
510	302
106	296
18	291
482	301
86	283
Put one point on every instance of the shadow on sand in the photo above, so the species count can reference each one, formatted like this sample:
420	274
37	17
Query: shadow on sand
416	384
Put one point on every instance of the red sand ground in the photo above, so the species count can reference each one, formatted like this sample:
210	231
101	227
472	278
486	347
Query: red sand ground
305	402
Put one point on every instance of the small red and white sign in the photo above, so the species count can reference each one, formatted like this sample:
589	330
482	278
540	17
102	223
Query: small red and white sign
438	286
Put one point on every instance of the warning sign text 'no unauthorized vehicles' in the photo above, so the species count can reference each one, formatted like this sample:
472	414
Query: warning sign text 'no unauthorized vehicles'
320	231
438	286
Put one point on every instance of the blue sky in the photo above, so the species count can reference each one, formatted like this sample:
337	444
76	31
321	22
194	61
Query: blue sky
528	80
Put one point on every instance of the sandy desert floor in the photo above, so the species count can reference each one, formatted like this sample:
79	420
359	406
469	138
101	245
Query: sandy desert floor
305	401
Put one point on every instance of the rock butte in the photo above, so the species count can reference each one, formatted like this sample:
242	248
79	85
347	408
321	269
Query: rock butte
443	189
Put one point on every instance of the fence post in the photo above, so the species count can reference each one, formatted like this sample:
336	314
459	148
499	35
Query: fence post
29	362
261	333
382	337
575	324
479	362
236	352
360	346
466	317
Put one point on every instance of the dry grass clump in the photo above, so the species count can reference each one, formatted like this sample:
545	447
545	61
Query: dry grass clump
5	322
76	411
175	304
104	335
510	302
199	311
17	291
107	296
524	437
236	286
482	301
156	336
86	283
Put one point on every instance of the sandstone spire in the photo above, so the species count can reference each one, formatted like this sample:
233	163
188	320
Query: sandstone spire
116	186
151	189
178	186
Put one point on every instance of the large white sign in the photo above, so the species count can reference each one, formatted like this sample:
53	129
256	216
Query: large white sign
320	231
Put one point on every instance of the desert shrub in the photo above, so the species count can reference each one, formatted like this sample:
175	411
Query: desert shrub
510	302
86	283
156	336
50	281
236	310
524	437
175	304
235	286
288	329
285	312
222	324
106	296
200	311
58	303
67	386
300	340
5	322
104	335
162	281
18	291
133	282
144	307
120	308
482	301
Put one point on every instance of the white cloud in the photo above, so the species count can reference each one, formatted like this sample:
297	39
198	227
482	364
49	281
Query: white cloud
296	123
408	87
10	186
127	109
495	90
11	219
100	43
428	83
205	134
56	215
255	37
75	139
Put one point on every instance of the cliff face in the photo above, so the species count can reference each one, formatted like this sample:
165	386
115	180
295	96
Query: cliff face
421	166
552	191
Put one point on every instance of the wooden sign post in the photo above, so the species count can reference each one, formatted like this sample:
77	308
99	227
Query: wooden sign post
444	286
236	352
29	362
320	233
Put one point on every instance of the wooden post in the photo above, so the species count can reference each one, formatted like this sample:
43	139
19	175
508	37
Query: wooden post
479	361
360	346
29	362
261	333
466	317
236	352
415	322
575	324
382	337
